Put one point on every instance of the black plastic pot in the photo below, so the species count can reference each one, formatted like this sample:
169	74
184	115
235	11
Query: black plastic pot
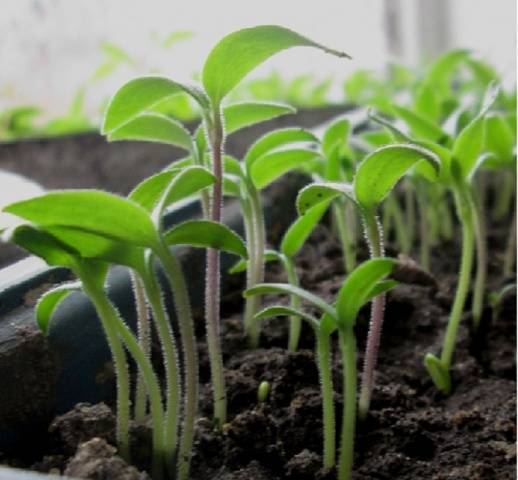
42	377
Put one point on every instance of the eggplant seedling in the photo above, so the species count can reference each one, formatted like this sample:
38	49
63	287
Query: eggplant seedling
232	59
375	177
129	232
364	283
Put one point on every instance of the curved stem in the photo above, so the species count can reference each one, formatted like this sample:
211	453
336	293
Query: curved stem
295	322
464	213
170	355
110	316
341	217
479	226
328	409
348	350
144	336
375	239
176	280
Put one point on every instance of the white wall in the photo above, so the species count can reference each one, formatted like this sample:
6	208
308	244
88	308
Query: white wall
49	47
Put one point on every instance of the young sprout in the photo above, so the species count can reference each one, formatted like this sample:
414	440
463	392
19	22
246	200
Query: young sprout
232	59
377	174
364	283
497	298
263	391
130	233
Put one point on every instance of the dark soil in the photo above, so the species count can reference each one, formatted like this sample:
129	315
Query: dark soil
412	432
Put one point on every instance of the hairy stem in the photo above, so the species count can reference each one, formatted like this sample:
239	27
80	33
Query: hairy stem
144	336
295	322
342	218
510	249
328	410
348	350
479	288
110	317
176	280
212	284
170	355
465	216
375	239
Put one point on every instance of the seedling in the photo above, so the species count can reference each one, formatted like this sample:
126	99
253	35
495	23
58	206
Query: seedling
364	283
497	298
377	174
263	391
227	64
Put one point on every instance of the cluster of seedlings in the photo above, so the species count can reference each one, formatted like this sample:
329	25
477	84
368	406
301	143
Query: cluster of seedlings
433	148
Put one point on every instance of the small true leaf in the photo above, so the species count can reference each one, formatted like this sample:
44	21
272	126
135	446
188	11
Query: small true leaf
50	301
153	127
381	170
245	114
319	192
207	234
336	134
239	53
271	166
421	126
276	139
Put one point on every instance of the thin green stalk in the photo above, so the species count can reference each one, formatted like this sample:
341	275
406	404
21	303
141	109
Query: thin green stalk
510	249
348	350
212	285
176	280
110	316
295	322
504	195
479	288
424	241
402	238
375	239
328	410
434	219
144	336
446	218
465	216
172	374
342	217
410	212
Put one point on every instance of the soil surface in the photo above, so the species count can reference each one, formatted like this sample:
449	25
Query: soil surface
412	431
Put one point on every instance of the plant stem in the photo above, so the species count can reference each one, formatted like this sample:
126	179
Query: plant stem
504	195
341	216
144	336
110	317
212	285
479	226
328	409
465	216
446	218
170	355
510	249
410	216
400	228
424	245
176	280
348	350
295	322
375	239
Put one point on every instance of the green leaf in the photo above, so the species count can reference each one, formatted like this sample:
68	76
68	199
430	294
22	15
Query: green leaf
440	73
355	291
153	127
232	166
186	182
426	103
470	142
42	244
335	135
148	192
282	311
319	192
245	114
239	53
285	288
381	287
231	186
300	229
420	126
395	133
271	166
206	234
499	137
141	94
381	170
50	301
116	53
276	139
242	264
377	138
92	211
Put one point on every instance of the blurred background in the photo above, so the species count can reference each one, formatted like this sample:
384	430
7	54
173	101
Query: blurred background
57	52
